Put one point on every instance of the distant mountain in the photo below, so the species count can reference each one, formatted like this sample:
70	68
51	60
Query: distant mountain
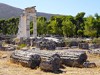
7	11
47	15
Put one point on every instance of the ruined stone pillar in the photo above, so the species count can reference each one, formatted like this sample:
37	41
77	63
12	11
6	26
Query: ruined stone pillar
34	26
24	24
28	26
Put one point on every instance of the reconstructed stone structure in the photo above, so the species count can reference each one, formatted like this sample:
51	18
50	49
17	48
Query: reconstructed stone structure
24	24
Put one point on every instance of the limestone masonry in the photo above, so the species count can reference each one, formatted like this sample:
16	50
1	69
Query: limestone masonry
24	23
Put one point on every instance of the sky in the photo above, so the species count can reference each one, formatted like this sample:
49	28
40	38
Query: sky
65	7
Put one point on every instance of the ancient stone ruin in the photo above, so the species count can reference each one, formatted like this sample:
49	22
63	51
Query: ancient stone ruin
24	24
49	60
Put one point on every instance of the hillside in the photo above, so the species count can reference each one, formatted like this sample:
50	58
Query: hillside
7	11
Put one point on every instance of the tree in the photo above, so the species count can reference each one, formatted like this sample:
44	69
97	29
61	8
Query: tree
55	25
68	28
12	25
31	27
90	30
3	26
42	25
53	28
80	33
79	22
97	25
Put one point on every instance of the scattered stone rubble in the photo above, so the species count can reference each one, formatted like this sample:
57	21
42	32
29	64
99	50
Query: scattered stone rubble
83	45
89	64
73	58
95	51
48	43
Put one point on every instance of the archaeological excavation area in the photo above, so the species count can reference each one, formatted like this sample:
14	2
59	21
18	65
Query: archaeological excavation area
26	54
42	56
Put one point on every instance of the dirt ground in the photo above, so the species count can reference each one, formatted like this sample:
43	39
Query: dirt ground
9	68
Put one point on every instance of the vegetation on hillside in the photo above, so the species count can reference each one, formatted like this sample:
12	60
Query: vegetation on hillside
68	26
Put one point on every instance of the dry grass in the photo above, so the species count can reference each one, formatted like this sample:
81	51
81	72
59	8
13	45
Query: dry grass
8	68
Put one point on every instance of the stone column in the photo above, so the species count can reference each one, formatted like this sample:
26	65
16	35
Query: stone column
34	26
24	25
27	26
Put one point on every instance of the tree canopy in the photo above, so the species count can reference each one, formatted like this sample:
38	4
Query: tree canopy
65	25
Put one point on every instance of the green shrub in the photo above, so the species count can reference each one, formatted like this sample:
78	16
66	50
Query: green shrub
67	42
22	45
96	40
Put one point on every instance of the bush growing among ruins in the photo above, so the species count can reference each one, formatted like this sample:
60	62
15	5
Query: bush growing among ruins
22	45
4	43
96	40
67	41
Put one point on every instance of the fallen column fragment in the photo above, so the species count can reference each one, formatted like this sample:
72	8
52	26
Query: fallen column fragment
51	59
73	58
51	63
27	58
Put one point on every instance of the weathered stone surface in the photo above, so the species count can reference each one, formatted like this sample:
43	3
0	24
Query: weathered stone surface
9	48
83	45
95	51
94	46
73	43
24	23
32	60
48	43
73	58
51	64
89	65
50	60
